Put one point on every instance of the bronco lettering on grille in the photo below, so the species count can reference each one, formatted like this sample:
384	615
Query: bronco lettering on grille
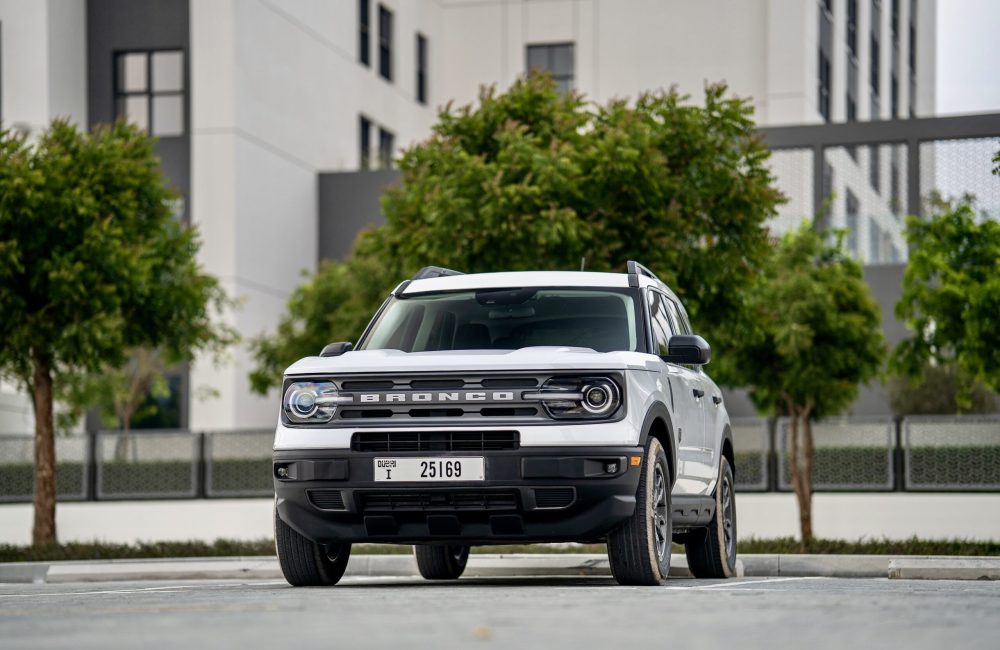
431	398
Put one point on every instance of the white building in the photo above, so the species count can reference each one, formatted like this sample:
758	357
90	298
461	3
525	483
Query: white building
253	99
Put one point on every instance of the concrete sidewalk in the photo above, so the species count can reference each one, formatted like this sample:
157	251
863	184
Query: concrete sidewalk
493	565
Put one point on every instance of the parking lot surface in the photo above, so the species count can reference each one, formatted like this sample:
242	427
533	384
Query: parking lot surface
504	613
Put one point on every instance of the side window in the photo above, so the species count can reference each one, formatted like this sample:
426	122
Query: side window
678	317
659	321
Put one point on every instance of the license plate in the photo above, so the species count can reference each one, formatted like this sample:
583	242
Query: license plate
430	469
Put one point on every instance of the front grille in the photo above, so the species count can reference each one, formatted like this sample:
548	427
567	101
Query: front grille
440	397
327	499
400	441
439	500
554	497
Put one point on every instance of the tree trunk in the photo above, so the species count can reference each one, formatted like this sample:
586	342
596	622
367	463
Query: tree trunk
44	529
800	465
805	518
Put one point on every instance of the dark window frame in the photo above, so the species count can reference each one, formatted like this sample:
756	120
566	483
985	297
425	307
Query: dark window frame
119	95
386	146
421	57
365	33
823	86
550	49
852	28
385	29
364	142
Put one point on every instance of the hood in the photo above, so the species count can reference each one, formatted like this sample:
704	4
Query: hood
533	358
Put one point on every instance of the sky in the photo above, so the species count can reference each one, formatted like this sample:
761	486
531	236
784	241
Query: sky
968	56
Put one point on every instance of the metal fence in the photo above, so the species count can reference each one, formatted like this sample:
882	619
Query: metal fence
920	454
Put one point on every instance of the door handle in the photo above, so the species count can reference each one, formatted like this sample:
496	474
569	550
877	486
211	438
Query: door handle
716	399
699	392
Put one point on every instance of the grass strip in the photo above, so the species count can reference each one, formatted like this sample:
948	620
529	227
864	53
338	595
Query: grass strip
263	547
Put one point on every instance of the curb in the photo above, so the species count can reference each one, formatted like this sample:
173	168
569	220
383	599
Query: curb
945	569
500	565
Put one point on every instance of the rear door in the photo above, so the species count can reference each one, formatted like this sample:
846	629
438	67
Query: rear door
683	385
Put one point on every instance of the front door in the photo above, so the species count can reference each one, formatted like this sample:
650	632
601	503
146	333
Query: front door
683	385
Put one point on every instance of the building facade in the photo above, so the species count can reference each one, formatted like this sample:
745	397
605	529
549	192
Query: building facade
260	104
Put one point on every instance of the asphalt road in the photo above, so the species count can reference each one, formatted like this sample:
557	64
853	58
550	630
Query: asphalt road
768	613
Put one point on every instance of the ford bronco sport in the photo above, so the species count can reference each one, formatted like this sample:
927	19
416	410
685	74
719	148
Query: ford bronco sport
509	408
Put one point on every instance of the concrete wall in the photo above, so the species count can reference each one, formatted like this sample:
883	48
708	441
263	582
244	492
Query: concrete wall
277	92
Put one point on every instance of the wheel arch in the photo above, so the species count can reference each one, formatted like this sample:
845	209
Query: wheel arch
659	425
728	449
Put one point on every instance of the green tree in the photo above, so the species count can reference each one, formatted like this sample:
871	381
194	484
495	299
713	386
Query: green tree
817	338
92	264
939	391
951	298
534	179
121	394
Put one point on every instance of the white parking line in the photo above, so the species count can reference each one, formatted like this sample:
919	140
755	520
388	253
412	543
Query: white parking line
165	589
746	583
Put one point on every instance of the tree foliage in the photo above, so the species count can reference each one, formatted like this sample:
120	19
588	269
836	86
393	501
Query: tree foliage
951	297
940	390
92	264
817	338
532	179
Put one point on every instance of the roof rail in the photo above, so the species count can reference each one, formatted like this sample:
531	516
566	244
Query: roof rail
434	272
635	270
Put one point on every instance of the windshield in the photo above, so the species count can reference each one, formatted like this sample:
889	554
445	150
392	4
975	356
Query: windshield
507	319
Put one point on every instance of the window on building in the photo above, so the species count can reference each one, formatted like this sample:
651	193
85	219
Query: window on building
913	58
556	59
421	68
853	207
895	23
852	28
149	90
874	241
385	43
385	148
894	96
895	204
824	86
364	142
875	71
364	33
874	167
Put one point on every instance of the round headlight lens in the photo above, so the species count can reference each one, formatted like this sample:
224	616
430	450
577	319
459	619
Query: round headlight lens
599	398
310	402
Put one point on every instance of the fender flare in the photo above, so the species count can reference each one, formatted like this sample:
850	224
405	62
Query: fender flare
659	410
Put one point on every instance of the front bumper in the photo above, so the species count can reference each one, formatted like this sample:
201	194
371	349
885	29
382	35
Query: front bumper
529	495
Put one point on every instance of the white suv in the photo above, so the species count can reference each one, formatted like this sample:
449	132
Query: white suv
503	408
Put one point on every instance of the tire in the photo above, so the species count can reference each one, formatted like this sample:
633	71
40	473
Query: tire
711	551
305	563
639	551
441	562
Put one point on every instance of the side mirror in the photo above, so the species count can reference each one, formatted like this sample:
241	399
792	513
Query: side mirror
336	349
687	349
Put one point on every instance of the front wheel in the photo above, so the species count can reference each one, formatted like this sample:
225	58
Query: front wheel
305	563
441	562
639	551
711	551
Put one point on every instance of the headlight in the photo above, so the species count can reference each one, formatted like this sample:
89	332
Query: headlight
578	397
312	402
